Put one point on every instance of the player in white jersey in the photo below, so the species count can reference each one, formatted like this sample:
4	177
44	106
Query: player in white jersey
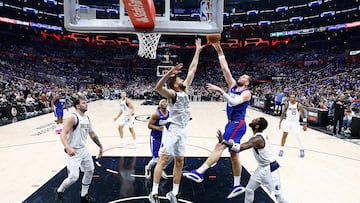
174	143
76	129
126	116
292	112
267	172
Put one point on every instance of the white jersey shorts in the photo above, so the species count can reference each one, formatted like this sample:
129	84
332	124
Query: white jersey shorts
271	180
82	159
123	120
173	141
291	126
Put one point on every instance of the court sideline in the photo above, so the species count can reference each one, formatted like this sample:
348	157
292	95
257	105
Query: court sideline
31	153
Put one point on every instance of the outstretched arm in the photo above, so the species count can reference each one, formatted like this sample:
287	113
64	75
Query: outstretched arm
256	142
239	99
224	65
194	64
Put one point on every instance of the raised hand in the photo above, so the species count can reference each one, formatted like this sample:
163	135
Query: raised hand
176	69
217	47
213	87
199	47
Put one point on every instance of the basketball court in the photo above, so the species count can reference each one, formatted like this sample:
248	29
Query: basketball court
33	163
32	155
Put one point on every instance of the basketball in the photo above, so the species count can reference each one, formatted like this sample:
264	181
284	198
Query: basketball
213	38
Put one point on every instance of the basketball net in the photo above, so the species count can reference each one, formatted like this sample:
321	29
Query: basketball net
142	14
148	43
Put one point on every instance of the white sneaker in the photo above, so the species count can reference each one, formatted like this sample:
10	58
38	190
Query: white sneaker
121	145
171	197
133	146
147	172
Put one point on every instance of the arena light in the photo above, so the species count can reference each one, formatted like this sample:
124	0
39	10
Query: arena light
336	27
277	34
100	9
195	15
311	17
252	12
264	23
315	3
1	3
49	14
291	32
226	14
83	6
29	24
306	31
14	7
354	53
112	11
296	19
353	24
51	2
30	10
61	16
267	11
327	14
280	21
237	25
298	6
281	9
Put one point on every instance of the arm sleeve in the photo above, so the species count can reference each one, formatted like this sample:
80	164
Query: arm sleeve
238	99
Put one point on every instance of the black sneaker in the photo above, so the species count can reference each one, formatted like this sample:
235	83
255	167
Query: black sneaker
154	198
87	199
59	196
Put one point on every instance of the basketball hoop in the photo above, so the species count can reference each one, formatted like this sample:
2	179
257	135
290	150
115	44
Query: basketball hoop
148	43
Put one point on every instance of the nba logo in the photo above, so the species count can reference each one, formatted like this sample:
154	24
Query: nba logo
205	10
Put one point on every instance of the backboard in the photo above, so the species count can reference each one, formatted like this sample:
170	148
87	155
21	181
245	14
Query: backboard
161	70
186	17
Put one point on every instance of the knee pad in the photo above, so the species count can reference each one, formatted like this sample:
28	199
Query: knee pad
235	147
87	177
73	177
249	195
280	198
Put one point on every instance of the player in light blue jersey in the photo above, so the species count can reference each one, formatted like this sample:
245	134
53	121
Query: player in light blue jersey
238	100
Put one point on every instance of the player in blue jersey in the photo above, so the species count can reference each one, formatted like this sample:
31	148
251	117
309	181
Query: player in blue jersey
157	124
58	105
237	100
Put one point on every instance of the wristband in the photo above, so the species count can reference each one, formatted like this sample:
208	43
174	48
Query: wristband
221	57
